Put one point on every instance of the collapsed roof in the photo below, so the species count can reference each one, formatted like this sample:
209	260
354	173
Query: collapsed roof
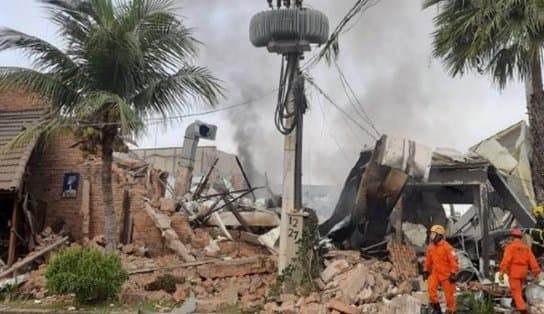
494	173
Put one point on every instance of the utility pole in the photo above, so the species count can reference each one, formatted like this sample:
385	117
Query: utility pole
291	216
289	31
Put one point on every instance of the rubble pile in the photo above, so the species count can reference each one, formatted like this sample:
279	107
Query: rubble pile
242	279
48	237
236	274
351	284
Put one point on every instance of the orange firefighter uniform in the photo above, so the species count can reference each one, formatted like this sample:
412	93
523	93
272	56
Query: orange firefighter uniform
516	261
441	263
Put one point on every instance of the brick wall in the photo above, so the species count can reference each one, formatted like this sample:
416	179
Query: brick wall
45	179
45	176
19	100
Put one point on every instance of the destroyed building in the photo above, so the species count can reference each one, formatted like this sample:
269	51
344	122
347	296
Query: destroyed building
167	158
52	183
493	179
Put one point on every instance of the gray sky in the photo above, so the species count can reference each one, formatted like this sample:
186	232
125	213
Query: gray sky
386	58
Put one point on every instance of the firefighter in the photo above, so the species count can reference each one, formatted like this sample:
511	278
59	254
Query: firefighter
537	233
440	269
538	212
516	261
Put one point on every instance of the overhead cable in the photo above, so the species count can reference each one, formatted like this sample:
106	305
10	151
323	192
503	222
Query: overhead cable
349	117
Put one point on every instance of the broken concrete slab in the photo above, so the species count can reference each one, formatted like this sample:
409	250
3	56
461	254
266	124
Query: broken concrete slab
352	282
15	281
173	242
335	268
406	156
406	304
270	238
257	218
416	234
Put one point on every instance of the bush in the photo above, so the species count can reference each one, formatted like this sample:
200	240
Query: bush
88	273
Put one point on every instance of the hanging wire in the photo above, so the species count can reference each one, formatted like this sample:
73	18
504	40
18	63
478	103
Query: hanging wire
291	89
153	121
360	110
342	111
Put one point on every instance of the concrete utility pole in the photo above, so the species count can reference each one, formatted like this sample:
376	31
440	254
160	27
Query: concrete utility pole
289	31
291	217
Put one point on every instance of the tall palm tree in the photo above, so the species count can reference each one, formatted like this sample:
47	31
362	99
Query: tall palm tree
504	39
122	62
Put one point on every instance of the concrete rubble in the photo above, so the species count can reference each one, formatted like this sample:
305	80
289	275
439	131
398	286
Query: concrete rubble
219	243
355	285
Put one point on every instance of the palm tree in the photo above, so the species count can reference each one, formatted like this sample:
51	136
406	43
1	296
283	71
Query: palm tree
504	39
122	62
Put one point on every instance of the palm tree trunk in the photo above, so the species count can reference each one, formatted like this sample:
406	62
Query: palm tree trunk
536	121
110	219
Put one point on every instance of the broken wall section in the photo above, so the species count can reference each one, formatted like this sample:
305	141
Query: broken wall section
83	214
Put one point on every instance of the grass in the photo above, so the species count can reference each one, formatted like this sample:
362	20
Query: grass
108	307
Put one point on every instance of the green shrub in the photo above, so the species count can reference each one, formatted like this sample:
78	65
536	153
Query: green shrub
88	273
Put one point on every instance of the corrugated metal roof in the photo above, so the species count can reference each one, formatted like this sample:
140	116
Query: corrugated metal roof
13	162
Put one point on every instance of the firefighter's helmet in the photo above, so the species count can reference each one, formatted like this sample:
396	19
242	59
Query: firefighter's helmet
538	211
438	229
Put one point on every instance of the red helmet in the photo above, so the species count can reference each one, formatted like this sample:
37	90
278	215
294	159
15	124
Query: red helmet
516	233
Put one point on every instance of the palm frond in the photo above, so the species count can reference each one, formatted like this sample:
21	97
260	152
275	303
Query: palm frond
429	3
46	56
492	37
178	92
125	60
108	109
40	84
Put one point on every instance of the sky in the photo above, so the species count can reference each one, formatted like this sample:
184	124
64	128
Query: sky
386	57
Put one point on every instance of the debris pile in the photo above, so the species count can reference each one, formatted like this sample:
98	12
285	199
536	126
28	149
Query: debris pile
46	242
215	246
351	284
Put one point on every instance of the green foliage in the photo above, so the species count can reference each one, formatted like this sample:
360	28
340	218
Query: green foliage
165	282
7	291
469	303
88	273
121	62
501	38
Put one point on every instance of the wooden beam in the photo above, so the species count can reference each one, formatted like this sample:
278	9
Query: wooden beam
126	236
32	256
85	208
13	234
236	214
248	184
163	223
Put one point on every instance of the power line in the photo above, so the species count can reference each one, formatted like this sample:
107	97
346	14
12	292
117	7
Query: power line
360	109
333	138
152	121
330	47
328	98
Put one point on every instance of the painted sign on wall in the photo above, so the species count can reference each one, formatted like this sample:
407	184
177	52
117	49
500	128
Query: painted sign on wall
70	185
